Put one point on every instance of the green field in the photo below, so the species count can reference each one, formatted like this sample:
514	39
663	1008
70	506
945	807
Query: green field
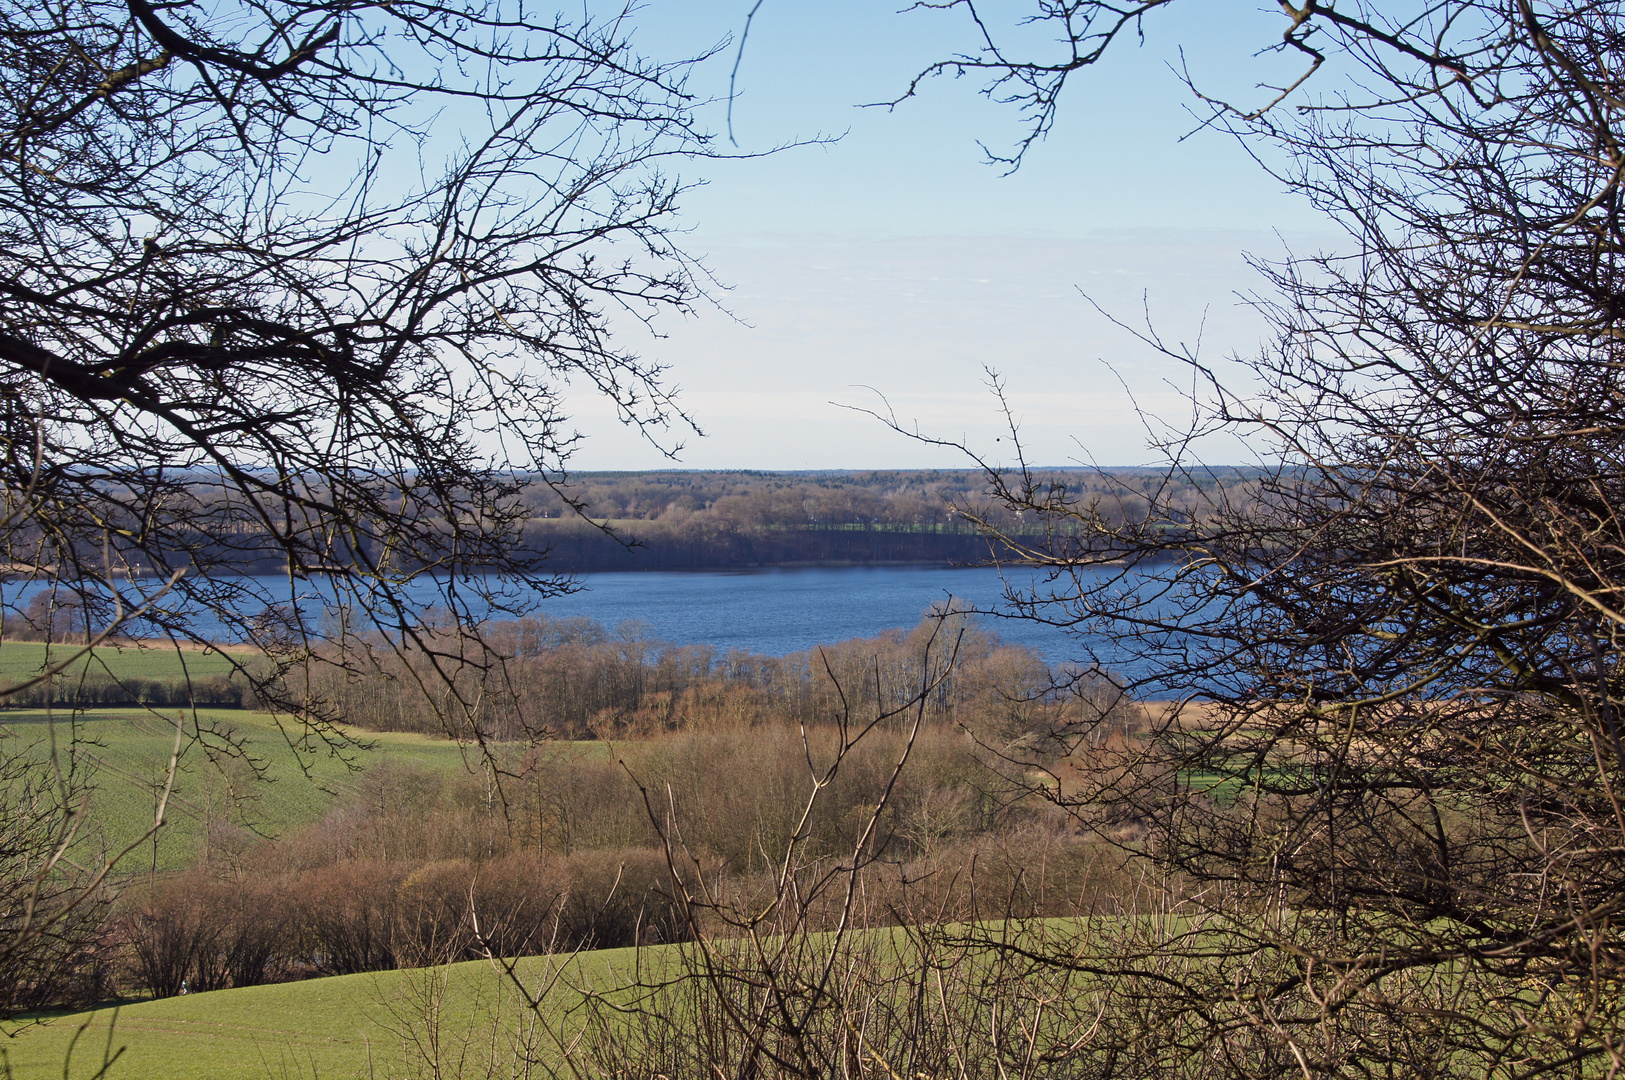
378	1025
20	660
337	1028
122	755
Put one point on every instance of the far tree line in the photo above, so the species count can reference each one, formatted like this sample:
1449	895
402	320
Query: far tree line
691	520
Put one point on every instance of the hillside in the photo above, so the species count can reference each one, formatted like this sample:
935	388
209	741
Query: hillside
121	755
124	753
334	1028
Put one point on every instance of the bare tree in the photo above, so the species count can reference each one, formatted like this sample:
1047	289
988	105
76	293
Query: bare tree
289	298
297	291
1396	798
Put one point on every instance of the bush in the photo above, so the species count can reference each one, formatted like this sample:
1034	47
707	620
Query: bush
345	917
619	897
210	934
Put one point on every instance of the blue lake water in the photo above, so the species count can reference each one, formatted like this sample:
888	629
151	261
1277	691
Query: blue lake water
787	610
769	611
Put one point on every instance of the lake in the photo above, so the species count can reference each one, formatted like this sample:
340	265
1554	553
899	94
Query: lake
768	611
781	611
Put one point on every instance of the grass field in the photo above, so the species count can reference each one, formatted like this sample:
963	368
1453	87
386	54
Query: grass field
377	1026
334	1029
123	754
21	659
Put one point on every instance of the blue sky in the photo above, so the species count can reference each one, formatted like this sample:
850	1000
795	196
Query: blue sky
893	265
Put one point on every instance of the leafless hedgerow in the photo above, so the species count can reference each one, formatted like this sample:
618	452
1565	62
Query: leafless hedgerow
754	988
806	979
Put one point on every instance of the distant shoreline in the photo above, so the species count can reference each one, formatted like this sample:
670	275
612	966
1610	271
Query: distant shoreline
566	568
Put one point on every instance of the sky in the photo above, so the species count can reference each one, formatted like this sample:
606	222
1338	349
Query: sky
890	269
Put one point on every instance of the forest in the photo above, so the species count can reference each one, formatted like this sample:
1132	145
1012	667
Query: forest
675	520
692	520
